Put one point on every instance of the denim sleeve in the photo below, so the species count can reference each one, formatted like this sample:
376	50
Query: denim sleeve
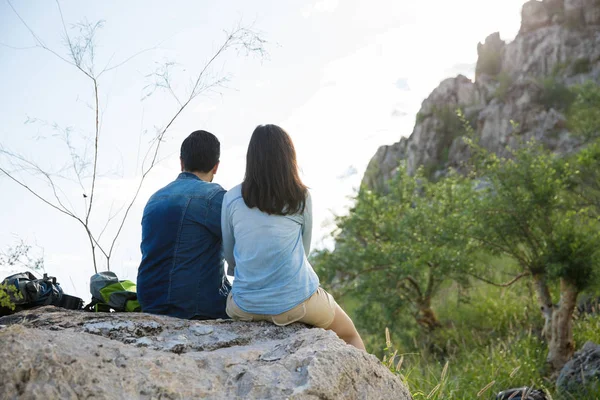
213	218
228	239
307	226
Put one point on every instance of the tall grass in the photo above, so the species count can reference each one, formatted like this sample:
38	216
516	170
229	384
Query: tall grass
491	342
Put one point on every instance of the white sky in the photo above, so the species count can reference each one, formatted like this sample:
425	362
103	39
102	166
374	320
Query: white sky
344	77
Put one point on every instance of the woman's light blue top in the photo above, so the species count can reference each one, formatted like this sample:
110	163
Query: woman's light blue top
268	254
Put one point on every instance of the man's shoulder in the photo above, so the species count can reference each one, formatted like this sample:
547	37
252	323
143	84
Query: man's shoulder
194	188
189	189
211	189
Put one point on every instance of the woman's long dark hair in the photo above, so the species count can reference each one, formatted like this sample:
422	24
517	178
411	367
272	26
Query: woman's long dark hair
272	183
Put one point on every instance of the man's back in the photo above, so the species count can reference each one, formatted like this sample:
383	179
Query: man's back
181	273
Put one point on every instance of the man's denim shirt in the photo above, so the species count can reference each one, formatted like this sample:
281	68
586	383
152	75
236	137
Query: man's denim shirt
181	273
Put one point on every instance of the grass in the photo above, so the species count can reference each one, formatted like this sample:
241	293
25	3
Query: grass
483	348
491	341
482	365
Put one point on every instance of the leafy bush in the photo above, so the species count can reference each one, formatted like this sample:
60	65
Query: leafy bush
486	345
489	62
6	292
494	344
584	113
505	81
582	66
554	94
450	122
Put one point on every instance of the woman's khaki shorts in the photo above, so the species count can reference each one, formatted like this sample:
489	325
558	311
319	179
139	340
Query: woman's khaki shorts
318	310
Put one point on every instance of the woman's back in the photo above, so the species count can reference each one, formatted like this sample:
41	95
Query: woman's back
269	251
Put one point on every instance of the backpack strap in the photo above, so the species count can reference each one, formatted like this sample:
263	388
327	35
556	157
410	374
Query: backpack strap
70	302
97	306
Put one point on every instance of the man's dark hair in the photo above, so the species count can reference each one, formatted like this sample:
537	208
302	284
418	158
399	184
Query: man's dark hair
200	152
272	183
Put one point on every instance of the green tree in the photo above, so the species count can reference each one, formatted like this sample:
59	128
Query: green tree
394	251
527	212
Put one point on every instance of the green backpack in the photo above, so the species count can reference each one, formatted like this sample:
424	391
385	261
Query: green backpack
109	293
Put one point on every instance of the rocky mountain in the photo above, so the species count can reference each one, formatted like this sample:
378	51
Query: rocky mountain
52	353
520	92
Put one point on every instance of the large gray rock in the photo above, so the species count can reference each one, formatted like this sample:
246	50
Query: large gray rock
489	56
50	353
582	372
534	15
383	166
550	50
558	44
579	12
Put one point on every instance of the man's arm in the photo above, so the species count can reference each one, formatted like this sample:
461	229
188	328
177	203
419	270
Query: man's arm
213	216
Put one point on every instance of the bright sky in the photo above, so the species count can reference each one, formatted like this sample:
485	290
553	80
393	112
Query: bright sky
343	78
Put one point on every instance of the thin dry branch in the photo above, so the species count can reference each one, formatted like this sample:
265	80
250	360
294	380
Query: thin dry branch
239	38
506	284
81	55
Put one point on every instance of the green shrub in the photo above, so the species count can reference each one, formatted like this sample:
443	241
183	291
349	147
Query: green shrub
451	124
583	118
494	342
554	94
479	372
582	66
489	62
559	68
505	81
6	292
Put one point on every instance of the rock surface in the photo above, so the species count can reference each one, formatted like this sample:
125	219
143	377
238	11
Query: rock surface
582	371
558	44
51	353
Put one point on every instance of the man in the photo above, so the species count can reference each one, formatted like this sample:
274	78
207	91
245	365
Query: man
181	273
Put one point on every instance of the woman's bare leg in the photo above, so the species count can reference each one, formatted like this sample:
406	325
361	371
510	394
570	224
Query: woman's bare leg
343	326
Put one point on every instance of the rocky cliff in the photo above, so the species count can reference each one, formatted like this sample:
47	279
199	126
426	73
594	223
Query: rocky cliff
52	353
518	93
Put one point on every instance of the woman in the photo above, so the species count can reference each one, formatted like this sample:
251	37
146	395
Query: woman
266	223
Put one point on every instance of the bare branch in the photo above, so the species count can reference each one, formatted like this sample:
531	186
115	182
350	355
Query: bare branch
120	64
507	284
95	163
37	170
111	216
81	54
17	48
38	41
242	38
36	194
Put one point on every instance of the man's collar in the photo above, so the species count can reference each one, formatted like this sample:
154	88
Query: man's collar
187	175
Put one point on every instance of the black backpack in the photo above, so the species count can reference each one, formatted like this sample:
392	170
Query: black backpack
26	291
522	393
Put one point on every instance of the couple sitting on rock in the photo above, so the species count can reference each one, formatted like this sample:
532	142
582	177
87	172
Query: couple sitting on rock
263	228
